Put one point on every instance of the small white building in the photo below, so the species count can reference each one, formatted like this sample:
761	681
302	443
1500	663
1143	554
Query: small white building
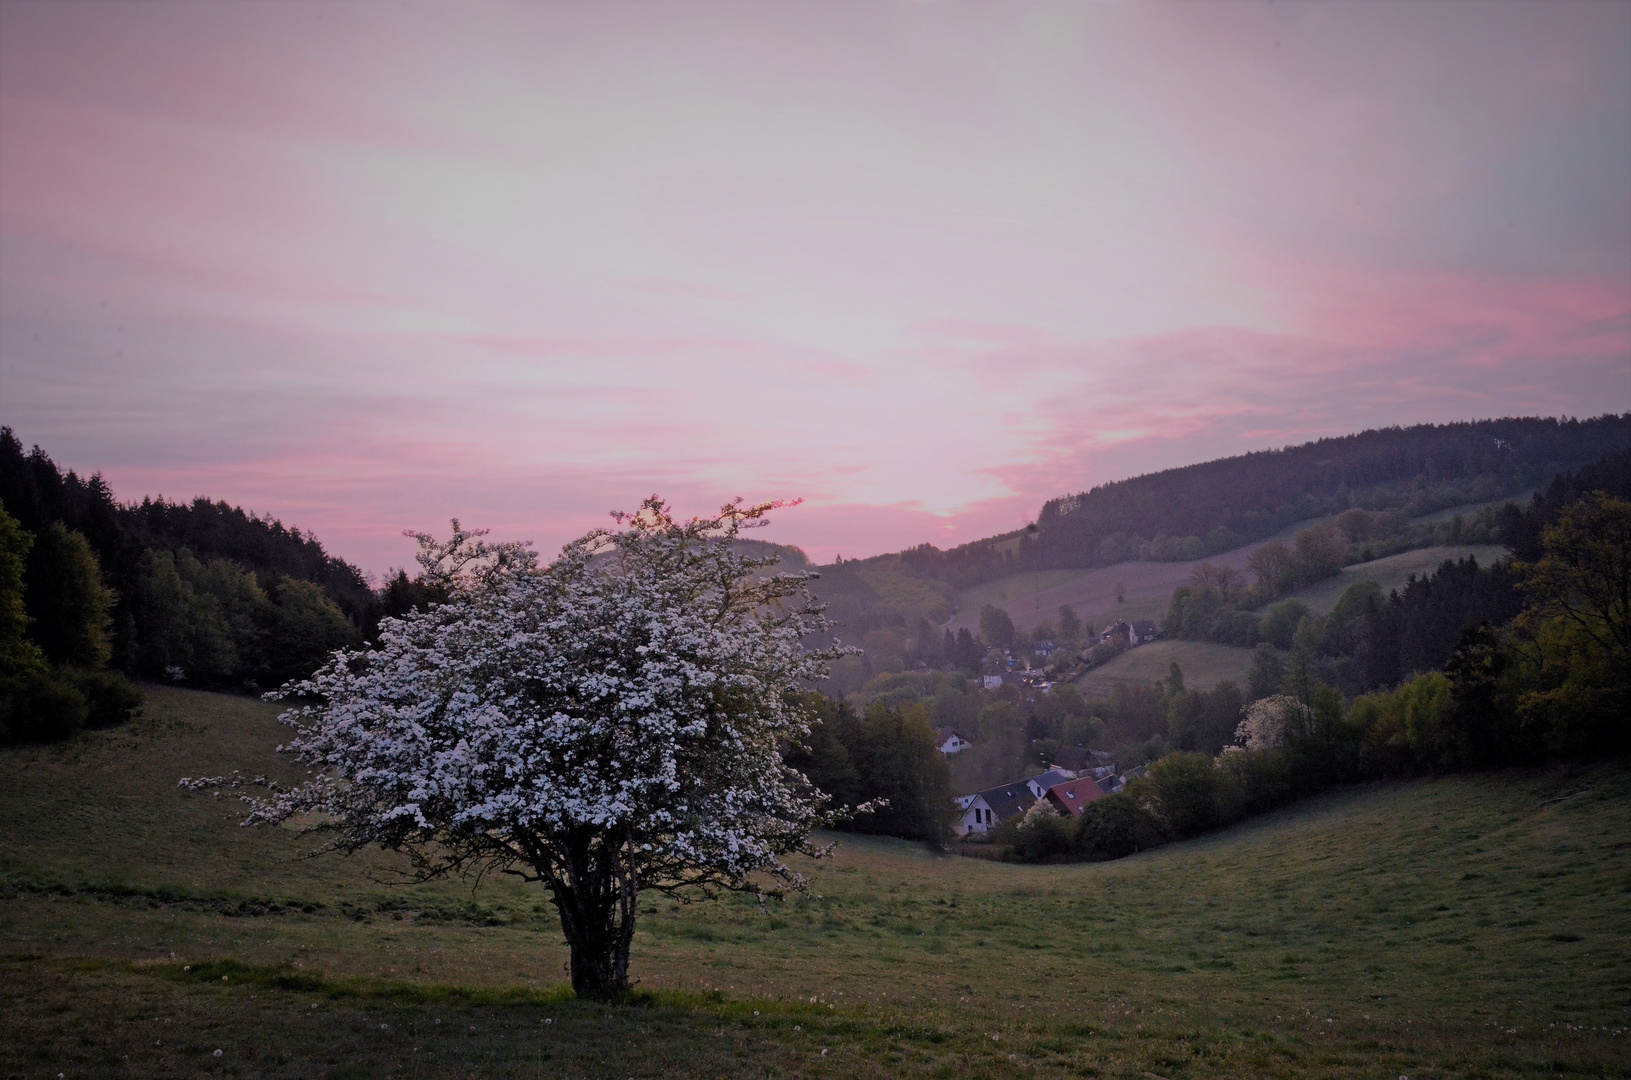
1040	783
949	741
985	810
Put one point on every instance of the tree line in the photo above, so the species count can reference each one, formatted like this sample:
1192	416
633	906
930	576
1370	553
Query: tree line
1216	506
200	593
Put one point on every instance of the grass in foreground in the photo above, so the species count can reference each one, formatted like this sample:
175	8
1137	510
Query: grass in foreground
1476	926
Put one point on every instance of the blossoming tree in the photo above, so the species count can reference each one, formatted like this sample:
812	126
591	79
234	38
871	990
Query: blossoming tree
605	724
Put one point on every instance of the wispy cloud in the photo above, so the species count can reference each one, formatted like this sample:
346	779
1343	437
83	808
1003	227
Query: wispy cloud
371	267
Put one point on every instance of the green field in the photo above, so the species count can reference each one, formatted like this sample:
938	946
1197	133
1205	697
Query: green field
1009	588
1204	666
1392	572
1036	595
1467	510
1464	927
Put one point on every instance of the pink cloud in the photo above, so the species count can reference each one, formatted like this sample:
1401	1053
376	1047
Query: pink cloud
372	267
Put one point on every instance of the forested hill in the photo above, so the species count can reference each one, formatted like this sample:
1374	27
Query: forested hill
1199	510
165	562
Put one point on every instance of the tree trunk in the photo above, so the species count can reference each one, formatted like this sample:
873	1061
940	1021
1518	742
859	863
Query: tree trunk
597	912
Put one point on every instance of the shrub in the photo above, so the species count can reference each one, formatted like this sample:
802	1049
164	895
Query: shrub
1266	779
1116	826
110	698
38	705
1041	834
1191	793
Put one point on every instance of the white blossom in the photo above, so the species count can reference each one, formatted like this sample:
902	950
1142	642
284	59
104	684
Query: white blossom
607	723
1269	720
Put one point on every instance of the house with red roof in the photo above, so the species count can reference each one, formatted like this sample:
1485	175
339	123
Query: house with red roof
1070	797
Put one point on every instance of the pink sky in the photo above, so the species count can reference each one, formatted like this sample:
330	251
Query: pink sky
369	267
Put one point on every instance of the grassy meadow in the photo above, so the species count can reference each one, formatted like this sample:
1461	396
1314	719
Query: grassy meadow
1204	665
1392	572
1036	595
1461	927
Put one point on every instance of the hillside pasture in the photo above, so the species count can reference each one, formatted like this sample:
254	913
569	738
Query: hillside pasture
1475	926
1034	597
1467	510
1204	665
1392	572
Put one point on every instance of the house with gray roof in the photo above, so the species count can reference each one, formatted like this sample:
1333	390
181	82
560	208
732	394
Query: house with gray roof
985	810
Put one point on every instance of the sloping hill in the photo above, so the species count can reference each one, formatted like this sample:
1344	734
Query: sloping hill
1392	572
1147	587
1466	926
1204	666
1216	505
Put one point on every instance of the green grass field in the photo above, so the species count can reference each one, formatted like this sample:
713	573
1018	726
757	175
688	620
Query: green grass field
1392	572
1464	927
1036	595
1204	666
1010	588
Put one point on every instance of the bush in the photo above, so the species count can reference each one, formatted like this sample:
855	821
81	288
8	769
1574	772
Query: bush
1265	778
1040	835
1114	827
38	705
1190	793
110	698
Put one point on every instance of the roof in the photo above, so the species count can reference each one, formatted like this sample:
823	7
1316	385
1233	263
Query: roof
1051	777
1142	628
1072	795
1008	800
1073	758
941	734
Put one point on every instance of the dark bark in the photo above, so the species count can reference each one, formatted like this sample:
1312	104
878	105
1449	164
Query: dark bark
597	901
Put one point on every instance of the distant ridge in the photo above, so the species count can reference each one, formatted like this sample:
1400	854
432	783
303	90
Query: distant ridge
1202	509
1197	511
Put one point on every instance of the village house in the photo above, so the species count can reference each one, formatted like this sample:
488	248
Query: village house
1071	796
1032	680
1134	634
949	741
1118	783
1040	783
1071	758
985	810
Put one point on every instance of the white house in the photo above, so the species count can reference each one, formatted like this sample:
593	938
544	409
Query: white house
949	741
985	810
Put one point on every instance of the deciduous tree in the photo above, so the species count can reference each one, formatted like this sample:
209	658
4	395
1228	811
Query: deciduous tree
606	724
